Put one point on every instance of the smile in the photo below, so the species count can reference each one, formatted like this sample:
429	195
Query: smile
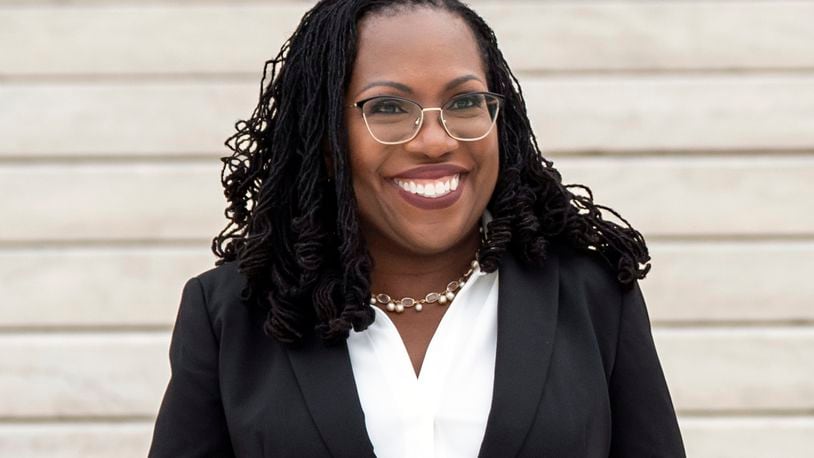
432	189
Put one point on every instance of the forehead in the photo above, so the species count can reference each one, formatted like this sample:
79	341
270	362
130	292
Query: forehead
421	47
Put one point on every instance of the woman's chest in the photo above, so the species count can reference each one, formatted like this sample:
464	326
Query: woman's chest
575	404
416	336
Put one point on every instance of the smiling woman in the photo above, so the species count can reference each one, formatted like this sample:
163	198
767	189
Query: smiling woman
404	274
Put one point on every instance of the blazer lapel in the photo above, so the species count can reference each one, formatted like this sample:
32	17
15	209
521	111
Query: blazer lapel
326	379
527	318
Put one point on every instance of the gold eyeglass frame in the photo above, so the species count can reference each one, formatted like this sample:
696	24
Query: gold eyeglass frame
360	103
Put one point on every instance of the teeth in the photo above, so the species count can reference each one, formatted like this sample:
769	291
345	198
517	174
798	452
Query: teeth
432	189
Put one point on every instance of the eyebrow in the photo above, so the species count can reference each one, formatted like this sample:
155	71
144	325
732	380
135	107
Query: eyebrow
404	88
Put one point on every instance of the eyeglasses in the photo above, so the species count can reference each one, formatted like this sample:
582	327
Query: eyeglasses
392	120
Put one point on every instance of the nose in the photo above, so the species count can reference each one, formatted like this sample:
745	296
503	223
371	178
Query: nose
432	138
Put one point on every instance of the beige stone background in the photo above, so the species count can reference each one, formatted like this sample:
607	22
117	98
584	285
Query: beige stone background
695	119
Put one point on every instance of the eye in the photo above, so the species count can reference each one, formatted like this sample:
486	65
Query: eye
386	106
465	101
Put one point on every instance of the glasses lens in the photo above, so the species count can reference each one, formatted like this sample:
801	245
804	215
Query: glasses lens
471	116
391	119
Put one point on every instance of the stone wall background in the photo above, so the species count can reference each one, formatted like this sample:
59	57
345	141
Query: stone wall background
694	119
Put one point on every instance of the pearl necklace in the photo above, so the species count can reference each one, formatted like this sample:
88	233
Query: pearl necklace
442	298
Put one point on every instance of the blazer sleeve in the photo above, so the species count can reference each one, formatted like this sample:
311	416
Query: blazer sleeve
191	421
643	418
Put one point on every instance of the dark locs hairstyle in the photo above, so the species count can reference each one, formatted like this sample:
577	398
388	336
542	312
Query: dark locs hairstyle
295	233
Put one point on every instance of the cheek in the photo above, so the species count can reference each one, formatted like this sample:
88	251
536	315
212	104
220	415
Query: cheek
490	165
366	158
359	150
356	130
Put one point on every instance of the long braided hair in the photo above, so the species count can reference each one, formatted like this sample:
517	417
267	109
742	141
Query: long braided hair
295	234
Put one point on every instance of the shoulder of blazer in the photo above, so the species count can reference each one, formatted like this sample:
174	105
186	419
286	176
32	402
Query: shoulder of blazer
222	288
589	281
586	269
223	281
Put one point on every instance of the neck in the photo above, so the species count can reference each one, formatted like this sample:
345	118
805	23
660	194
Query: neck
402	274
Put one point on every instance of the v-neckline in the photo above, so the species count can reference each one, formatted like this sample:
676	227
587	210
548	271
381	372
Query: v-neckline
405	362
526	317
425	388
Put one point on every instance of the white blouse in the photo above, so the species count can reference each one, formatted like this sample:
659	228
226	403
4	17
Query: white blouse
443	411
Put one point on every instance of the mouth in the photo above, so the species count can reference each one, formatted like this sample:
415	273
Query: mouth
430	188
431	193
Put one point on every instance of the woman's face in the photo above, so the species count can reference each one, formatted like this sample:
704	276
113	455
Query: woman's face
428	56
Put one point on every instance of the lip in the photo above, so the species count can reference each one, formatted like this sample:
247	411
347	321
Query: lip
428	203
431	172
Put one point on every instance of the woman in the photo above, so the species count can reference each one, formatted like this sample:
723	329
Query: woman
404	274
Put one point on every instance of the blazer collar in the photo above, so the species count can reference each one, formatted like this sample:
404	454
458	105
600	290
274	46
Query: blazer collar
527	318
325	376
528	299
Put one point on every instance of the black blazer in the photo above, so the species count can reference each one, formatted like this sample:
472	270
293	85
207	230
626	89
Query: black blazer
576	375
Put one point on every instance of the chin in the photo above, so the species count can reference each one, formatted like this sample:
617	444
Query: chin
434	240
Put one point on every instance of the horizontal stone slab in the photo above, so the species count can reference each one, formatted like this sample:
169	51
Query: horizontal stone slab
172	38
99	287
136	201
734	282
701	196
716	437
671	196
573	114
79	375
124	374
731	368
755	437
691	283
130	439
